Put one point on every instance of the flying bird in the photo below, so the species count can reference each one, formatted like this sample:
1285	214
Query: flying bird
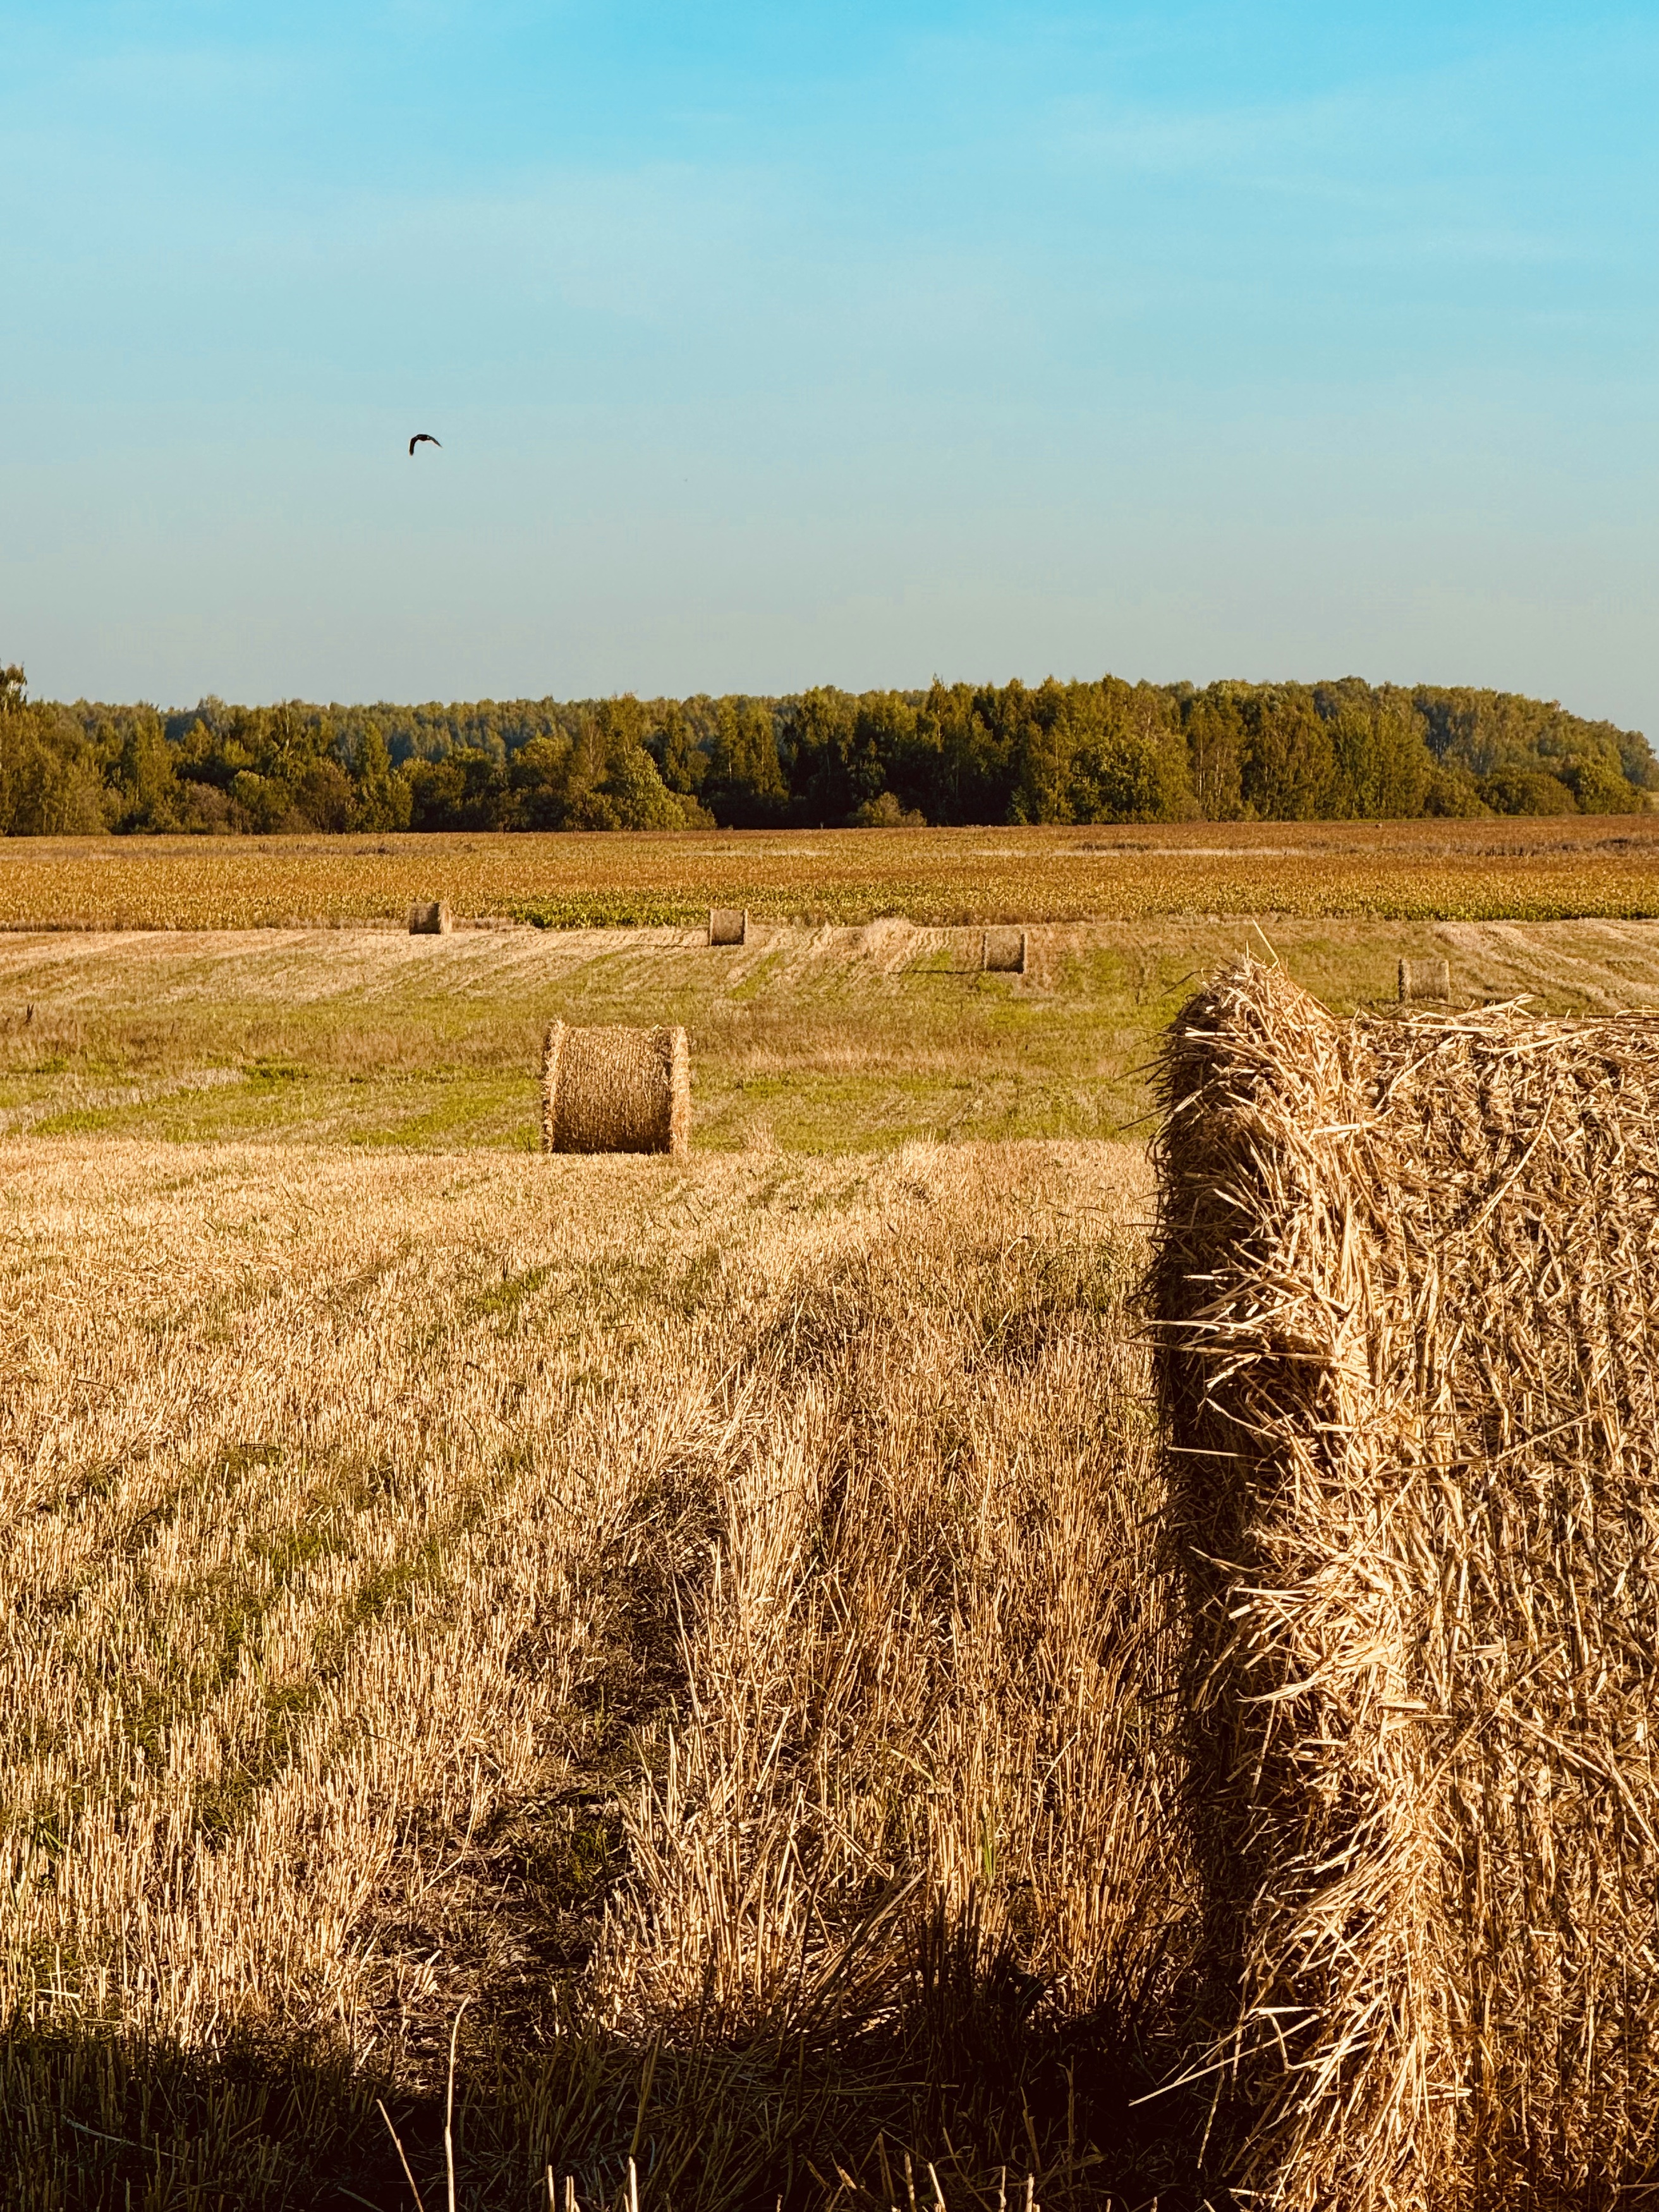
424	438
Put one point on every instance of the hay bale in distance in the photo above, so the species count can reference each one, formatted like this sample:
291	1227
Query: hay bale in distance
1425	980
615	1090
1407	1281
728	925
1002	952
429	918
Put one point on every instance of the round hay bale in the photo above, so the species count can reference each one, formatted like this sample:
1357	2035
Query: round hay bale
1002	952
429	918
728	925
1425	980
615	1090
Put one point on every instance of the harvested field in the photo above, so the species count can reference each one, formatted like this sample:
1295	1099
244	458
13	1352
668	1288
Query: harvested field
716	1618
1410	1270
802	1040
709	1617
1513	870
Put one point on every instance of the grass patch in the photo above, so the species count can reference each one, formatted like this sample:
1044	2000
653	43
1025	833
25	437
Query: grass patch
821	1041
79	1120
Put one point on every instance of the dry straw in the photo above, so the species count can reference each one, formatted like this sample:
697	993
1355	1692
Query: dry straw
1425	980
728	925
429	918
1407	1275
1002	951
615	1090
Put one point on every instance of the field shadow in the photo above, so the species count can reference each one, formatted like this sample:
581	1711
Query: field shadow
958	2096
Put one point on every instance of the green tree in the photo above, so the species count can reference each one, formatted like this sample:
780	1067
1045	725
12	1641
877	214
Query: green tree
50	781
886	812
1215	745
53	791
1044	738
745	787
466	790
1452	790
632	793
968	752
1380	752
383	797
140	774
887	735
539	778
957	753
1527	791
1129	762
681	760
614	783
1487	732
1290	764
324	797
1600	788
264	803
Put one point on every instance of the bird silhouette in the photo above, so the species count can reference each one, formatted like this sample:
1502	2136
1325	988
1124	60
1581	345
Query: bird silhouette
424	438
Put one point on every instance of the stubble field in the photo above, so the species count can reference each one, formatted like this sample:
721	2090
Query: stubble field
819	1040
710	1623
703	1633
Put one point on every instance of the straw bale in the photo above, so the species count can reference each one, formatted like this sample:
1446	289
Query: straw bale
1425	979
1407	1281
728	925
1002	951
615	1090
429	918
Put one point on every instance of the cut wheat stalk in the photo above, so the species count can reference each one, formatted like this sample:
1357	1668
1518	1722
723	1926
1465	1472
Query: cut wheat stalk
1408	1282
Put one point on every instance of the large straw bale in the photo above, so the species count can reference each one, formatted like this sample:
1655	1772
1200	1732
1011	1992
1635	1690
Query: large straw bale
1408	1281
728	925
1425	979
615	1090
1002	951
429	918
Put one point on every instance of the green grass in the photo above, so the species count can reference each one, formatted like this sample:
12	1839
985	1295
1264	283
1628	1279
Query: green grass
811	1041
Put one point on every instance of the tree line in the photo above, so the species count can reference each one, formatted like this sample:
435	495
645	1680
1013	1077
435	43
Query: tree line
960	753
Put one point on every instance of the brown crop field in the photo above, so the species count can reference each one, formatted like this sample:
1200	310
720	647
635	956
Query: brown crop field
1509	870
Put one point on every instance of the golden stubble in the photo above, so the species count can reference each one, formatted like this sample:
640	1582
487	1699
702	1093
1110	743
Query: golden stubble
379	1528
1407	1270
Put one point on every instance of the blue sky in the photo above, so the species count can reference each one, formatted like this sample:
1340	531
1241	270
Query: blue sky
785	344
